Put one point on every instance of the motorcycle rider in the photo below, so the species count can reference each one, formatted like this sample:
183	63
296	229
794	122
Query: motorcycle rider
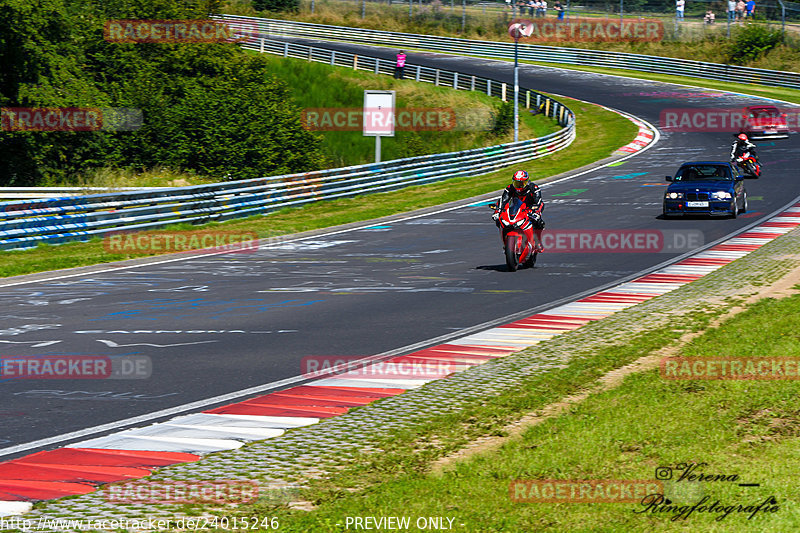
741	145
522	187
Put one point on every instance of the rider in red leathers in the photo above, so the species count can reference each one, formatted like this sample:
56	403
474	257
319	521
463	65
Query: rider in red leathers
522	187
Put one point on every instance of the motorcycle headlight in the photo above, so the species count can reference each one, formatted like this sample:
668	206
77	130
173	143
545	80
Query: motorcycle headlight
721	195
674	195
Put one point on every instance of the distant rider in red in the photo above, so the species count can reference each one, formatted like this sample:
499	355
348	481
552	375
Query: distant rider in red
522	187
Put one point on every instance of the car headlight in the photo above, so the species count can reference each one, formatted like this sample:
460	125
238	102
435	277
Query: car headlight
674	195
721	195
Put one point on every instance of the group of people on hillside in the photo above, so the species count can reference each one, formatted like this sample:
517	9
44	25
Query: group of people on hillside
538	8
737	11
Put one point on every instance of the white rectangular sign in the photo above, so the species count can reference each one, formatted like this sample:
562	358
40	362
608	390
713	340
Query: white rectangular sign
379	115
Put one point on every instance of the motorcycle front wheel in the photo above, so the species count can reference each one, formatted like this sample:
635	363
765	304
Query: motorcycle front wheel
511	252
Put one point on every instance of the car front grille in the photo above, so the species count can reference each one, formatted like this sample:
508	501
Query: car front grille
695	196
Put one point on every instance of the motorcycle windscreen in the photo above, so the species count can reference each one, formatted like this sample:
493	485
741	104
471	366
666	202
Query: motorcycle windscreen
513	207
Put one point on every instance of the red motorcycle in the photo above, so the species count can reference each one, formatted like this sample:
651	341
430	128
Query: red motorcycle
749	164
514	222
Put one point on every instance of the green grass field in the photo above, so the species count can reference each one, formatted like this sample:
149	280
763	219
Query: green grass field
344	88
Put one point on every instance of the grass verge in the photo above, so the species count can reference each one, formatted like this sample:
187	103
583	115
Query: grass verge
599	133
344	88
744	430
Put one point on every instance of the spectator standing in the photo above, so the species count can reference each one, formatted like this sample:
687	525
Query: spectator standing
559	9
740	6
710	18
400	66
750	6
731	10
531	7
679	5
544	8
521	7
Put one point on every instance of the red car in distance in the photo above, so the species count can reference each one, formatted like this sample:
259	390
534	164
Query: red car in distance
765	122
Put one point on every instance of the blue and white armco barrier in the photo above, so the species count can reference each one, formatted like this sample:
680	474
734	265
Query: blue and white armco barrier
24	224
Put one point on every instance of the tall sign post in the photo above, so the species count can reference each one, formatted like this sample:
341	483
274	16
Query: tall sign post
517	30
378	117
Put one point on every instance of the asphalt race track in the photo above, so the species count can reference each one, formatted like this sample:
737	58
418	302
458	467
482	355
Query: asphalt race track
217	324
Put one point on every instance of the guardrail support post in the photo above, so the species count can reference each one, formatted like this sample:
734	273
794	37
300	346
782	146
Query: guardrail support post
455	80
489	87
436	81
419	71
285	49
309	53
333	58
527	99
503	92
377	65
261	48
472	84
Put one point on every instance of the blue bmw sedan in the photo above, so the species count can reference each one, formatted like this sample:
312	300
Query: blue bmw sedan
706	188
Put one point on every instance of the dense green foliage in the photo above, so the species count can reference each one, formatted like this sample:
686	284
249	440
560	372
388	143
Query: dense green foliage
277	5
207	107
751	42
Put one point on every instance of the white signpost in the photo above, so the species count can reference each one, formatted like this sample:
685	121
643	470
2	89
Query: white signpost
378	117
517	30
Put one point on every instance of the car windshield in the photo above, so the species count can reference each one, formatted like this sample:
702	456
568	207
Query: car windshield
764	112
703	173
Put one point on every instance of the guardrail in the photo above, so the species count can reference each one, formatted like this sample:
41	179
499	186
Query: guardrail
24	224
527	52
55	192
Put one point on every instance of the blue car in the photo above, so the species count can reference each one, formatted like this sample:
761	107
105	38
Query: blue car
706	188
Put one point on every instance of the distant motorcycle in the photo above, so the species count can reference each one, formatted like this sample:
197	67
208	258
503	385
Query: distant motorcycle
749	164
514	222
